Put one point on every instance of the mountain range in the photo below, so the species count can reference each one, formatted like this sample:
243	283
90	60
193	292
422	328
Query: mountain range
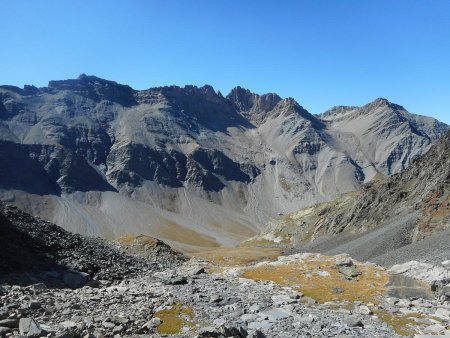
186	164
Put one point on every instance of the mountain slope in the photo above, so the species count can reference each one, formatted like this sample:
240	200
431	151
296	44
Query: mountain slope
186	165
33	250
383	217
387	133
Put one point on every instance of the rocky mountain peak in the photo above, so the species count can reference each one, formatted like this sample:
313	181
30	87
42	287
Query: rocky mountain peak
96	89
380	103
336	111
253	106
289	106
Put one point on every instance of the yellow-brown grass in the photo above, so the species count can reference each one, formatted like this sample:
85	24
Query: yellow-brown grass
179	233
303	276
237	256
403	325
174	319
129	239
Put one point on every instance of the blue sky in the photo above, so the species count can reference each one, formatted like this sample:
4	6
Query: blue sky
321	52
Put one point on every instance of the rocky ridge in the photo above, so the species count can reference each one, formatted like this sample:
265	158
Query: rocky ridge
383	217
35	250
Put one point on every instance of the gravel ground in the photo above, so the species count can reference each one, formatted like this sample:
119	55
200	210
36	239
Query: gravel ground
433	249
386	245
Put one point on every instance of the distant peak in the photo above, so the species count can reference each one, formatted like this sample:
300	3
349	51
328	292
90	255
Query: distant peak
382	102
240	90
336	111
381	99
289	105
96	89
208	89
92	78
246	101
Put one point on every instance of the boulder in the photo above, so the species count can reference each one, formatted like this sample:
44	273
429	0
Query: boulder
343	261
434	329
75	279
28	327
349	272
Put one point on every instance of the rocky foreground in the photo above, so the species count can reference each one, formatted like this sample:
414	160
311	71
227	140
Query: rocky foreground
191	303
56	284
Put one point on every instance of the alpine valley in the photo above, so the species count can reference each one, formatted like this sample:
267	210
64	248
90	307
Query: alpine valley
183	212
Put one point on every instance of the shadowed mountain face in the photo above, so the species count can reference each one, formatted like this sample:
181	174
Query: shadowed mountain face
189	165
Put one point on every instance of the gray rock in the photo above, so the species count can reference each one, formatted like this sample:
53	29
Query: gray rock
4	330
219	322
118	329
74	279
443	313
155	321
262	325
349	272
277	314
249	317
215	299
434	329
10	323
363	309
284	299
254	308
28	327
354	322
108	325
68	324
344	261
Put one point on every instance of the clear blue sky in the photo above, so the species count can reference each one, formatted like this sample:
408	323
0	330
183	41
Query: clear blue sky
321	52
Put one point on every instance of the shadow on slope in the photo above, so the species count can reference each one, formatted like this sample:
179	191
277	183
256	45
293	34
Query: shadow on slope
47	170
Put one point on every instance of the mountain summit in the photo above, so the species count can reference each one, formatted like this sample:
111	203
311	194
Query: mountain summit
186	164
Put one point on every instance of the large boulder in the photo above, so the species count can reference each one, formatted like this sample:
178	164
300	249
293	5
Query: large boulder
29	328
75	279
